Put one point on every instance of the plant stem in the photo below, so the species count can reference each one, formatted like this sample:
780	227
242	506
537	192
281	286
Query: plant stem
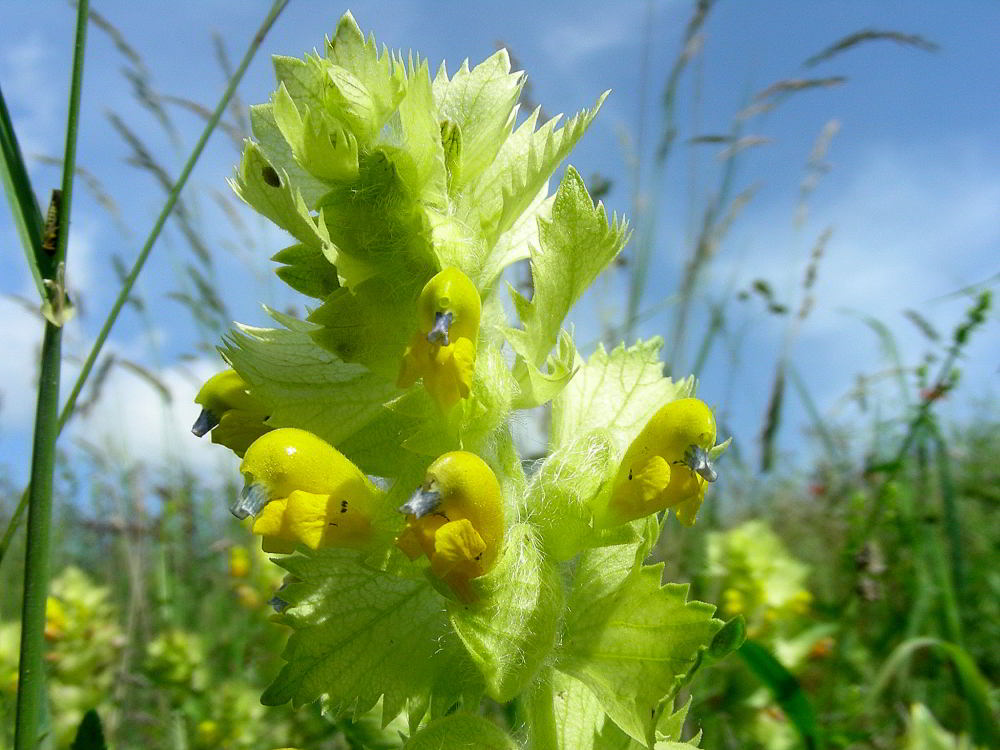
31	676
36	565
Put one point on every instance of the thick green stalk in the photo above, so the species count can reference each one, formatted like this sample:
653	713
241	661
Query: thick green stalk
31	677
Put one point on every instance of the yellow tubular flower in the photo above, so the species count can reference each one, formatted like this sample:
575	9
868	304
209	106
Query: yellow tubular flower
301	489
456	519
230	412
443	350
666	466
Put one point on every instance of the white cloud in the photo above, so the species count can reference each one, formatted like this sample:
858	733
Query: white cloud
26	72
907	229
590	32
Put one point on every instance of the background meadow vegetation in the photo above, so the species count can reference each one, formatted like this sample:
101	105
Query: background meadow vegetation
854	526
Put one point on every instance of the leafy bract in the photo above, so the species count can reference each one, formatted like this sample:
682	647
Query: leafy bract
513	629
575	246
268	190
521	167
461	731
480	103
276	150
616	392
361	633
629	639
304	385
380	75
562	490
306	270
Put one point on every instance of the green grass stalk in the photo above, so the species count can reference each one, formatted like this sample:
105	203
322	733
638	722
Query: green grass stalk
31	675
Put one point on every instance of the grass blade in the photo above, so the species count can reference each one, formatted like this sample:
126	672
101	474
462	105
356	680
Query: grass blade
869	35
20	196
974	687
786	690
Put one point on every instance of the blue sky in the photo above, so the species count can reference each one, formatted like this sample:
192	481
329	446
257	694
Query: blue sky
912	195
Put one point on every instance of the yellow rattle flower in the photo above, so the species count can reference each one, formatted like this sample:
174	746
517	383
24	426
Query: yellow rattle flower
443	350
300	489
456	518
230	412
666	466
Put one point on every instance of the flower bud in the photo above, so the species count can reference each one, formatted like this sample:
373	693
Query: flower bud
456	519
667	466
443	350
232	414
300	489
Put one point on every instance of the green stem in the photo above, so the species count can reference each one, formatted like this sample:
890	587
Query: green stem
31	676
154	233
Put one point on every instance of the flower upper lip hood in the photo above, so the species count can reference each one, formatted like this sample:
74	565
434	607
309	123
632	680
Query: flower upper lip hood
666	466
443	349
303	490
230	411
456	518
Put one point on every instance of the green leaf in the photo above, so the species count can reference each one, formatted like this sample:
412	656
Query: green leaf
380	75
306	270
279	154
376	224
576	244
630	640
521	168
304	385
461	732
786	691
319	144
481	103
305	80
90	733
428	176
536	387
617	392
513	629
20	195
668	734
361	633
267	189
370	325
349	101
513	245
